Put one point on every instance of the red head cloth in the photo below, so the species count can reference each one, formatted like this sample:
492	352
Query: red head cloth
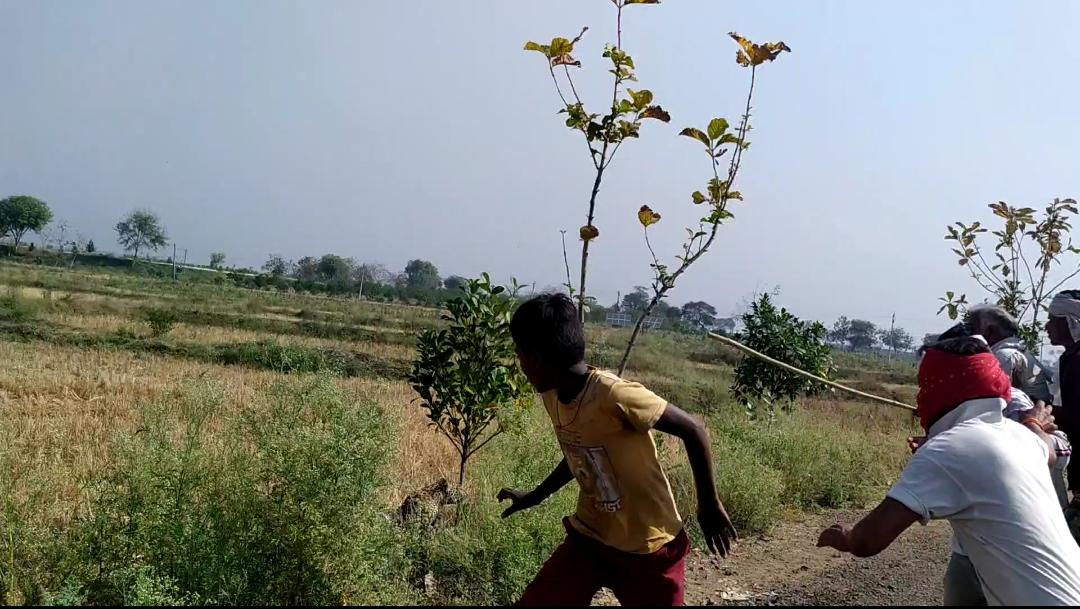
947	380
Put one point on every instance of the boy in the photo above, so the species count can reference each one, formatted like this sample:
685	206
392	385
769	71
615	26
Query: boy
626	533
986	475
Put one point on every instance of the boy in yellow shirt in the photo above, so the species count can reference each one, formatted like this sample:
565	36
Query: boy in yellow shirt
626	533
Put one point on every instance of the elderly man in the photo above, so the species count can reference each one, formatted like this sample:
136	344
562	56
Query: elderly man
1000	329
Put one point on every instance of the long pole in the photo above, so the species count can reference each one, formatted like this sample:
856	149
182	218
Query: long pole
892	337
792	369
174	261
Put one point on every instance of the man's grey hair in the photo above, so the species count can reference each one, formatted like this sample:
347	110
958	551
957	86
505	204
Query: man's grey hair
985	317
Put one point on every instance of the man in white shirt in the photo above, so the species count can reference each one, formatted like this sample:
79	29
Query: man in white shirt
986	475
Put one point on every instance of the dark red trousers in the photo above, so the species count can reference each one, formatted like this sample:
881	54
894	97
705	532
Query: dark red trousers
580	566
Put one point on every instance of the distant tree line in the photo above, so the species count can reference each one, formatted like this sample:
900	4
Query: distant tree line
862	335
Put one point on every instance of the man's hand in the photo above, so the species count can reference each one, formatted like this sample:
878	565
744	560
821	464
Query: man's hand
914	442
1043	415
835	536
715	523
519	500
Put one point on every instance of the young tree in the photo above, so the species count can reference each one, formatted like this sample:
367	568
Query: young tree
422	275
603	134
466	374
217	259
699	313
140	229
719	192
1016	274
90	247
22	213
897	339
782	336
862	335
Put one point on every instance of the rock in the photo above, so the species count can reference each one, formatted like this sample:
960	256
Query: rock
429	584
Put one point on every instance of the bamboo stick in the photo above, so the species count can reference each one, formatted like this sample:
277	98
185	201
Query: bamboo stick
741	347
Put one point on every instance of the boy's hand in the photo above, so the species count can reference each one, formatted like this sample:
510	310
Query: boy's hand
913	443
835	536
715	523
519	500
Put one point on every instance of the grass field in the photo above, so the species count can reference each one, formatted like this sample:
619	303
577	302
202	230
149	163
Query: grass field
258	451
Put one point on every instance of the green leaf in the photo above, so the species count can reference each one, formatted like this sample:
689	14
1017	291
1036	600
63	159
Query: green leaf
717	128
540	48
697	134
628	2
698	197
641	98
561	46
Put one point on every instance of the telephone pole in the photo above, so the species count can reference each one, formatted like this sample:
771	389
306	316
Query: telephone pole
892	336
174	261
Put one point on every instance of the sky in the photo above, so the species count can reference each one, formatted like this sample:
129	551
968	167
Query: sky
387	130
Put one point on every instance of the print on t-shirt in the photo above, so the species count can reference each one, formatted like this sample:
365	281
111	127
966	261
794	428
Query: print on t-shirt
592	468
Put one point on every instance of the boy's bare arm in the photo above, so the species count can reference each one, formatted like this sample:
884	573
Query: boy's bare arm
520	500
713	519
873	533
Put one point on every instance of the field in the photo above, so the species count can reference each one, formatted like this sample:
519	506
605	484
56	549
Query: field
193	443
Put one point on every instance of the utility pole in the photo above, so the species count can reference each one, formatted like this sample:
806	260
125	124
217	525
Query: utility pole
185	256
174	261
892	336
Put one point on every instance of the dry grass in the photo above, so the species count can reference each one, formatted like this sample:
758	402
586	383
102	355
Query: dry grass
61	406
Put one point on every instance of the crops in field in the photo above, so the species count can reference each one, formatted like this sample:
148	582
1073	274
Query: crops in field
198	443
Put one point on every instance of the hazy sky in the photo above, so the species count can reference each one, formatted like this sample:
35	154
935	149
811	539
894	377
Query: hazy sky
390	130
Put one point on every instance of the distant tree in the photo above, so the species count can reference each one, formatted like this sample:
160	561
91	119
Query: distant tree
929	338
217	259
276	266
454	282
840	332
636	300
22	213
863	334
334	268
699	313
140	229
372	272
90	247
422	275
307	268
897	339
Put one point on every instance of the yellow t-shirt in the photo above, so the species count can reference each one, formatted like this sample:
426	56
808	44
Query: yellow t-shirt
625	500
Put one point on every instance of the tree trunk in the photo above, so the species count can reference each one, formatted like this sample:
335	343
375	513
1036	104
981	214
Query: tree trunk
461	472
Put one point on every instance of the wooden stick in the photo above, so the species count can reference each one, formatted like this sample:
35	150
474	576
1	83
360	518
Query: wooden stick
741	347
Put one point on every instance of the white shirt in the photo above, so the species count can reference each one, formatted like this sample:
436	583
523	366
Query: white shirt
1017	362
988	477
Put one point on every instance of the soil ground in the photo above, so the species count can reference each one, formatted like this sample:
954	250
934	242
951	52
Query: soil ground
785	568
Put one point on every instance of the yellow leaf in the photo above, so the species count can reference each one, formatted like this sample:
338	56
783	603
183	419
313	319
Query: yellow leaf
753	54
588	232
647	216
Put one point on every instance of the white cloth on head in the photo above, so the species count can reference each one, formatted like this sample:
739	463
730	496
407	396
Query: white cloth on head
1069	308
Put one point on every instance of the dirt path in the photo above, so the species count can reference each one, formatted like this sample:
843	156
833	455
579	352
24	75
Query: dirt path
785	568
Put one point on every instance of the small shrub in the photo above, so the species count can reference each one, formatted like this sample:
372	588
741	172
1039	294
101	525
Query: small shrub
782	336
160	320
278	511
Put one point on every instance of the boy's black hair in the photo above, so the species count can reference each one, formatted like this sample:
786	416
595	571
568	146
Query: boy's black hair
548	326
